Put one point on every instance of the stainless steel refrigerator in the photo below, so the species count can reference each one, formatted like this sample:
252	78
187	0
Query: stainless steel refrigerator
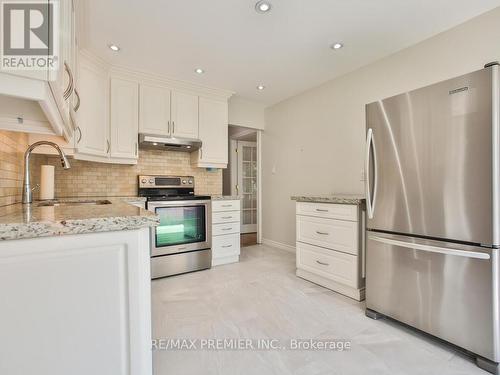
433	211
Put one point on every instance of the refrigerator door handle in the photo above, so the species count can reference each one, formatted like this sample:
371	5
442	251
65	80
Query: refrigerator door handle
430	248
370	144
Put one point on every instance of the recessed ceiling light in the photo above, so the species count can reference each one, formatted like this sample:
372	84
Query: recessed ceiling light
337	45
261	87
263	6
114	47
199	71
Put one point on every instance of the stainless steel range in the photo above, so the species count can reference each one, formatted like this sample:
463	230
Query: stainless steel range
182	241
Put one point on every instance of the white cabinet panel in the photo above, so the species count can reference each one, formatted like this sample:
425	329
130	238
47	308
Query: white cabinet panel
334	265
84	299
213	134
226	246
225	205
226	217
124	118
92	133
333	234
327	210
222	229
184	115
154	110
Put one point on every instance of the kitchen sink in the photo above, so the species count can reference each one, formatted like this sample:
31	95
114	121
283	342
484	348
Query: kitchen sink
53	203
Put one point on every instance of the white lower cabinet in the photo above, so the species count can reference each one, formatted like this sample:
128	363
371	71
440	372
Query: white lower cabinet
225	232
329	246
76	304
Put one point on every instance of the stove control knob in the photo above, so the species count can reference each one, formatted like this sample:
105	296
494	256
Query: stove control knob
151	181
144	180
184	182
190	182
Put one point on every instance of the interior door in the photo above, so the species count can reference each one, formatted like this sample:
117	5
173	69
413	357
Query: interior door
247	185
430	160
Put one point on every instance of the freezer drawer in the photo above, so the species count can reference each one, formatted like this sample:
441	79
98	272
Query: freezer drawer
444	289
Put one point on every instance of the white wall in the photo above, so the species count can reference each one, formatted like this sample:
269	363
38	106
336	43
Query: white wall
243	112
315	141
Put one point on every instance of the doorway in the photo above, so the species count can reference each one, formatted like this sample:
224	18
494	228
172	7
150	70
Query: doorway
242	178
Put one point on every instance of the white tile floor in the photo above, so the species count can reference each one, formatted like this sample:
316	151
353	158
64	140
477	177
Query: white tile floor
261	297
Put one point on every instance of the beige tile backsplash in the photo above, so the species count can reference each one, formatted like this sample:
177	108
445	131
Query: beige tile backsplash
86	179
12	147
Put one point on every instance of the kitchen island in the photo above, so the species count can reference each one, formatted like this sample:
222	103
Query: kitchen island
330	241
75	285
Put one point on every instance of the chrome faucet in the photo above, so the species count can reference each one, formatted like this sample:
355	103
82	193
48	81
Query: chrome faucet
27	191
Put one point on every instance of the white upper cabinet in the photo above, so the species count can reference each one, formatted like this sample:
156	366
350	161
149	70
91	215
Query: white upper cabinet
184	115
51	89
92	118
213	134
154	110
124	118
168	113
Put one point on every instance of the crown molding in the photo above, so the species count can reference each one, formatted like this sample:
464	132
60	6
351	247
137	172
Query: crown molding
157	79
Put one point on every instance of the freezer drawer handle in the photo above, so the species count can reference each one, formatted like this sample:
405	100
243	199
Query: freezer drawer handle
323	264
431	249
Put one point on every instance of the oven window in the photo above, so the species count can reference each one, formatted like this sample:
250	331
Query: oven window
180	225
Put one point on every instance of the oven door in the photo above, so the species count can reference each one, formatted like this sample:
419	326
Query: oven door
184	226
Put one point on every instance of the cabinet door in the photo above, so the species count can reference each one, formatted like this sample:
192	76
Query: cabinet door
124	118
184	115
154	110
63	79
92	118
213	133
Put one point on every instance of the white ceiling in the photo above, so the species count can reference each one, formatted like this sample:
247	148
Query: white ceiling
287	49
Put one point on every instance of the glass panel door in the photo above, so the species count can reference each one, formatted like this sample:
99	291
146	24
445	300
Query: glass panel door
247	181
180	225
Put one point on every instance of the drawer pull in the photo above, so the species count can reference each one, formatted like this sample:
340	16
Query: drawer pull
227	205
226	246
227	217
226	228
322	233
323	264
321	210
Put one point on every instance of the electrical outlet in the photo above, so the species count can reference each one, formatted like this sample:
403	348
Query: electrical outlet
363	176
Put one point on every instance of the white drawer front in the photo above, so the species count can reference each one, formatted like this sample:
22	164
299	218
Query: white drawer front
333	234
222	229
225	217
224	246
220	206
327	210
333	265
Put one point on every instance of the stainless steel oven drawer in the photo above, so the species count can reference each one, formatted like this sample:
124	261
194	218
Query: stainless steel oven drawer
169	265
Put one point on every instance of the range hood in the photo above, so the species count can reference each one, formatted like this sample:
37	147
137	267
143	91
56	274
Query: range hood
160	142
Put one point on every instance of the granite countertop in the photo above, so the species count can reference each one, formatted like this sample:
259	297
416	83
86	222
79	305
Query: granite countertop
332	198
226	197
18	221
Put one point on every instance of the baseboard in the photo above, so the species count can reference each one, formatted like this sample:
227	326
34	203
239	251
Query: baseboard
279	245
